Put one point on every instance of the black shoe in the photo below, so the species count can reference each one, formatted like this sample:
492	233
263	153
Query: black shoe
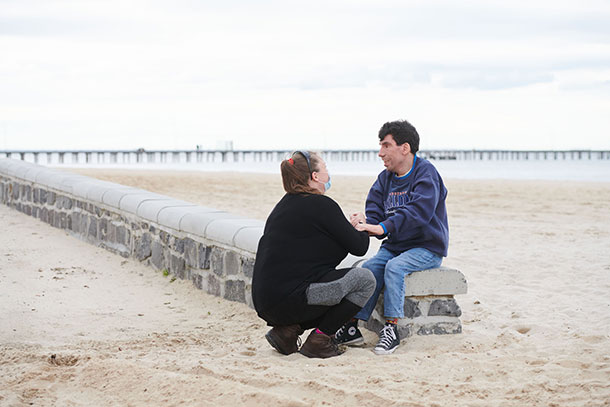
388	340
349	334
285	339
319	345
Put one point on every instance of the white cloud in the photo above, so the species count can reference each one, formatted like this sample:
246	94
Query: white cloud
132	74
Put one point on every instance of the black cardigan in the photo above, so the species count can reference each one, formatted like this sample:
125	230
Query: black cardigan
305	237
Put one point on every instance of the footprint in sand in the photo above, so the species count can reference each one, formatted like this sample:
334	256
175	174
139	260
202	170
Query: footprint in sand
59	360
523	329
594	339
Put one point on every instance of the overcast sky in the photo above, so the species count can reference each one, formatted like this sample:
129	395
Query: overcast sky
116	74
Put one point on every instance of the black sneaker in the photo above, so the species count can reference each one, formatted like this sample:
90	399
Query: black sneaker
388	340
349	334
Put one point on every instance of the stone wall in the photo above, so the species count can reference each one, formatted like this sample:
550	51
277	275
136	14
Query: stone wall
212	248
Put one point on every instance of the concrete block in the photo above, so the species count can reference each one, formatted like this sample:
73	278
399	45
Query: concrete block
80	189
18	168
66	182
247	238
439	281
112	197
131	202
149	209
224	230
172	215
21	168
45	177
30	174
96	193
4	164
8	166
196	223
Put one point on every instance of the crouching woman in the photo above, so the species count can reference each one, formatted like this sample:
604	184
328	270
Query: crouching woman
296	285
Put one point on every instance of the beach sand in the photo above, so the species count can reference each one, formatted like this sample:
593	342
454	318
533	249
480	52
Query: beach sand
80	326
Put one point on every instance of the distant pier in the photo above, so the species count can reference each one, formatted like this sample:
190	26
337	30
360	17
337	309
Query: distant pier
141	156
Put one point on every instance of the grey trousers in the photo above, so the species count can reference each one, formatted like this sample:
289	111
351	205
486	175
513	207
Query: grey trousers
356	286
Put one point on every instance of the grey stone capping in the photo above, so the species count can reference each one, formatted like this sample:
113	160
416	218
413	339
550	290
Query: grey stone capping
224	230
67	183
149	209
97	191
247	238
196	223
19	170
112	197
30	174
80	189
45	177
131	202
172	215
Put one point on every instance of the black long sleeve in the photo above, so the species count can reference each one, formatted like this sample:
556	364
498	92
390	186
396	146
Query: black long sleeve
305	237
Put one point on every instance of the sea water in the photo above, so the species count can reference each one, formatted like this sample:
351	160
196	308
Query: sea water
586	170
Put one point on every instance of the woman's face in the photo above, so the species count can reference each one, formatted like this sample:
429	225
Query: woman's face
321	178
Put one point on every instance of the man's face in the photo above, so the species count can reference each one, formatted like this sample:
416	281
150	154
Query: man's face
392	154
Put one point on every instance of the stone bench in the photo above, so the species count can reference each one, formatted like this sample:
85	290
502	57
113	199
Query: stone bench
430	307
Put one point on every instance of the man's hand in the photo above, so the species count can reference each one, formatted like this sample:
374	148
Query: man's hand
356	218
374	230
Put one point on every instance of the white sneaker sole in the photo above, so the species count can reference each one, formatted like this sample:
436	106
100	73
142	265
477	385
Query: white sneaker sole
354	342
381	351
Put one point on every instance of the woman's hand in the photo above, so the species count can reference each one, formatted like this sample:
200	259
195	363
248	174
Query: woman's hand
356	218
373	230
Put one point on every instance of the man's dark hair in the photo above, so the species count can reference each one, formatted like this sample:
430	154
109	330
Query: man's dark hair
403	132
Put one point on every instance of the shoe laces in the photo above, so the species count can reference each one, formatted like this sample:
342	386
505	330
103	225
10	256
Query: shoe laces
336	346
387	336
340	331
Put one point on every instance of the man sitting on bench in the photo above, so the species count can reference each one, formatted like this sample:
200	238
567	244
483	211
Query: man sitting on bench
406	207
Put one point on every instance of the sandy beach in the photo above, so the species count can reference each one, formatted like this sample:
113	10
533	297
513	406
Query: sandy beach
81	326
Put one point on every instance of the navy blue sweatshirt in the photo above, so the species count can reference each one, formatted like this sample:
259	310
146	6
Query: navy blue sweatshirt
305	237
411	209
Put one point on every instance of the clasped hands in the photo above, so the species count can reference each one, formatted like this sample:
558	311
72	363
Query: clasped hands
358	220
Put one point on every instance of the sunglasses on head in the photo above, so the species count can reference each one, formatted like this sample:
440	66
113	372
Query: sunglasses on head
307	158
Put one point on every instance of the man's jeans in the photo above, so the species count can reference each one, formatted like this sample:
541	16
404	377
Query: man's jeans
390	270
